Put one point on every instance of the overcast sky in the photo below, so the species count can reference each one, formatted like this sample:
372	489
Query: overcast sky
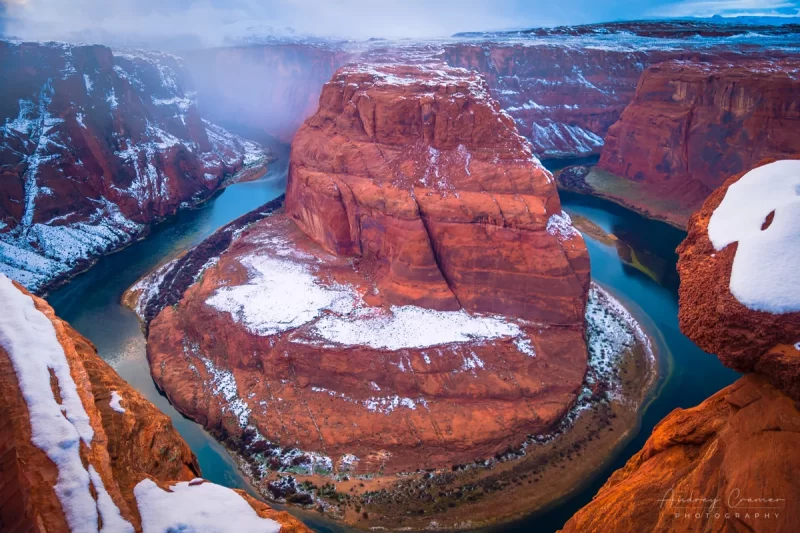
211	20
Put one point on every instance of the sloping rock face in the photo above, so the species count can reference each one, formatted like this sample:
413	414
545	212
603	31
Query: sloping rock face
339	328
271	88
93	147
420	175
727	464
110	446
693	124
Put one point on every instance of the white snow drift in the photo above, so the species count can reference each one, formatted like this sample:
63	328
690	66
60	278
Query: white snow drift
193	507
766	269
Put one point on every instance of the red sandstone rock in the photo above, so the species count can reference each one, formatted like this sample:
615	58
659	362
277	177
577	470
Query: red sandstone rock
126	448
417	172
94	147
743	339
409	187
693	124
739	444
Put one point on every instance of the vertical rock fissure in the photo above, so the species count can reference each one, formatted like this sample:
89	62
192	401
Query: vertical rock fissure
436	258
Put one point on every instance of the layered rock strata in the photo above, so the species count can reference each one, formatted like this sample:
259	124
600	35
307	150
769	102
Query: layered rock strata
693	124
349	323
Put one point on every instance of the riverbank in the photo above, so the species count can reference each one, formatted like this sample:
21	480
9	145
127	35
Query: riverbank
636	196
249	173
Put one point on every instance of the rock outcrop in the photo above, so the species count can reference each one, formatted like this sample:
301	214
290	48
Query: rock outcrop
729	463
726	465
94	146
692	124
420	303
744	339
80	447
418	173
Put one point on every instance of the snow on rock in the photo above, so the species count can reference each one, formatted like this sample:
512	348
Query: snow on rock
610	330
57	428
192	507
150	130
411	327
224	384
115	402
560	225
109	512
765	274
280	295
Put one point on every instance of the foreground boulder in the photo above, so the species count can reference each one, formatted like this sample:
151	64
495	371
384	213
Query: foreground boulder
739	275
728	464
80	447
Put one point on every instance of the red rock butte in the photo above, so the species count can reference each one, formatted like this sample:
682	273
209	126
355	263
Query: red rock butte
340	328
419	173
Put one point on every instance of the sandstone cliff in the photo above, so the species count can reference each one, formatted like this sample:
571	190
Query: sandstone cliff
693	124
728	464
94	146
81	448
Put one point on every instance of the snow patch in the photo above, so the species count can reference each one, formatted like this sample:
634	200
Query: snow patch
109	512
192	507
280	295
560	225
765	274
115	402
410	327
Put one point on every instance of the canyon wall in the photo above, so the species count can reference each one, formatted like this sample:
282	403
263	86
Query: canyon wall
729	463
693	124
94	146
563	98
80	447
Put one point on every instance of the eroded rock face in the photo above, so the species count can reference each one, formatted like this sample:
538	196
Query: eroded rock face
562	97
341	328
93	147
693	124
419	174
129	440
737	445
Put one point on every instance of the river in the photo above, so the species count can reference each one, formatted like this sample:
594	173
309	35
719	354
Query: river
91	303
